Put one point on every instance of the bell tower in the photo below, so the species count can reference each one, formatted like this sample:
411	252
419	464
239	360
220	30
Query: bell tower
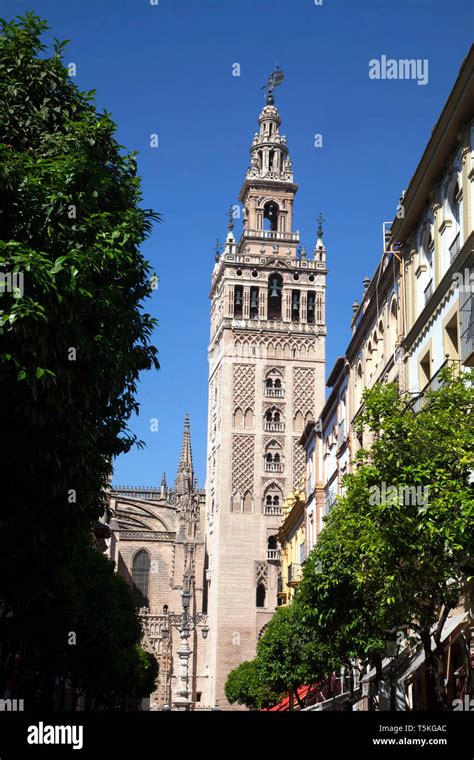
266	381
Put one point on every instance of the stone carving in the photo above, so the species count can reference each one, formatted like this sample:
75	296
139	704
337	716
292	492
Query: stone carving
261	574
278	347
244	387
148	535
243	456
299	464
303	390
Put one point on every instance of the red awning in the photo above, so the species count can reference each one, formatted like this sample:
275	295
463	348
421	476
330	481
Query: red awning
285	703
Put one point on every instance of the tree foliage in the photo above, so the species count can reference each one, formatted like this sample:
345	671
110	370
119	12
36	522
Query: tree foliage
244	686
75	341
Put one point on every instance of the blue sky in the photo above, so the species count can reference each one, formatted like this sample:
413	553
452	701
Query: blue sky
167	69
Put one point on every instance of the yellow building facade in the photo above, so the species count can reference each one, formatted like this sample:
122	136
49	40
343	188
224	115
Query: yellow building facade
292	539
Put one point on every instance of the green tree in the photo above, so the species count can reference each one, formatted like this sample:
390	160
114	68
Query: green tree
244	686
389	556
289	655
74	342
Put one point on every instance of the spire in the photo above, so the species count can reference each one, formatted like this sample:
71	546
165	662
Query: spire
319	248
268	191
185	476
163	486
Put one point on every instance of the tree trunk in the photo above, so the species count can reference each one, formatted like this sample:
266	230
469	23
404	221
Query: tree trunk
433	692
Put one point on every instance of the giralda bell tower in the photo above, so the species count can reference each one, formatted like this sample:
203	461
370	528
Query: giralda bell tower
266	381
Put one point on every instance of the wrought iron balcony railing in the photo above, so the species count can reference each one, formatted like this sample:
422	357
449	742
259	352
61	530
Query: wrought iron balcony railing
455	247
295	572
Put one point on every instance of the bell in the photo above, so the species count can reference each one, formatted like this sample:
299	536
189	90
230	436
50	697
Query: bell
310	303
254	300
296	303
238	298
275	288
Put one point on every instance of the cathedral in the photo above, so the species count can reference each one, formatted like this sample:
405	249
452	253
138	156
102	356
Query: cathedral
157	544
216	553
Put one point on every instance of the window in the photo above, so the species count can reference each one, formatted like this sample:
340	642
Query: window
275	289
273	458
260	595
392	324
253	303
140	577
451	338
425	369
272	500
247	503
302	553
270	216
295	305
310	315
238	301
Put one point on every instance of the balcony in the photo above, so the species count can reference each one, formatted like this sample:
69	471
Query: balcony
419	399
274	427
467	329
281	597
295	573
455	247
291	237
428	291
274	392
273	467
272	510
273	555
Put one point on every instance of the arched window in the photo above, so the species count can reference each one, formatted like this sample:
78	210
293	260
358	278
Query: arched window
270	216
253	303
275	289
238	301
358	386
247	503
273	457
273	386
140	577
299	421
272	499
393	324
311	308
260	595
295	305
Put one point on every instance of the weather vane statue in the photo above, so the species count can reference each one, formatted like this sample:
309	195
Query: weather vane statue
275	79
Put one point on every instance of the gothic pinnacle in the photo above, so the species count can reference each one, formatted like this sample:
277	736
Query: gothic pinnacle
185	476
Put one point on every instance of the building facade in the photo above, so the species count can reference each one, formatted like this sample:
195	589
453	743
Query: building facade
157	544
292	540
415	316
266	381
